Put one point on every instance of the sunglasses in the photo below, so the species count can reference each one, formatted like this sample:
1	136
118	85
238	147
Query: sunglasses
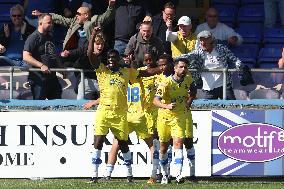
80	14
17	15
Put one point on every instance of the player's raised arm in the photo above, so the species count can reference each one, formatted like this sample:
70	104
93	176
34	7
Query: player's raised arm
93	57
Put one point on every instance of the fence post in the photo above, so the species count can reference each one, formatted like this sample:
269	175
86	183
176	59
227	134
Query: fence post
11	70
225	72
83	82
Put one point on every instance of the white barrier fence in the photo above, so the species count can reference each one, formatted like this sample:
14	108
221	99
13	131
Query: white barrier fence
59	144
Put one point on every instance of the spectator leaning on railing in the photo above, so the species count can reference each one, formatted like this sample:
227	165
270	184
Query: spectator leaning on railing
39	52
12	38
210	55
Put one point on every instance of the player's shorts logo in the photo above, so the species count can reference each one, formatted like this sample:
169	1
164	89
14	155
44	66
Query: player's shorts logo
253	142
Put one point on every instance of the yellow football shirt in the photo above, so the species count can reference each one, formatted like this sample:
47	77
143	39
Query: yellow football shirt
172	92
148	90
113	86
135	110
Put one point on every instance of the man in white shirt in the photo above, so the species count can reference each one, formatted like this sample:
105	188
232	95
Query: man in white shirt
209	55
222	33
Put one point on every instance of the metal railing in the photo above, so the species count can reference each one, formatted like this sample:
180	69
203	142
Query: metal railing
12	70
225	71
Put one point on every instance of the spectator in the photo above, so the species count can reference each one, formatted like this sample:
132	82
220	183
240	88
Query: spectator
143	42
129	14
160	26
79	56
81	26
39	52
210	55
51	6
221	32
73	5
12	38
184	40
271	10
155	5
281	60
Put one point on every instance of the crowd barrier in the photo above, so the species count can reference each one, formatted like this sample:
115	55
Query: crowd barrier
14	81
53	138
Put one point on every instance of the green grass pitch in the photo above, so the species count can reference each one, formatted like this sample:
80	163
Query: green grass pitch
121	183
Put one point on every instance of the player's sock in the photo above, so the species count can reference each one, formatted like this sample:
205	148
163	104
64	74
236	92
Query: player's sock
156	149
164	164
170	155
96	161
127	162
159	169
191	158
109	169
178	161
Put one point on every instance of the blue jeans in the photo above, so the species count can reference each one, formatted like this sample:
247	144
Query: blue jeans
271	10
5	61
120	46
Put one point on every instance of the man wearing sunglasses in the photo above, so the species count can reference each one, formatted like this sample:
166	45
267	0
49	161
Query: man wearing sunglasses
81	25
12	38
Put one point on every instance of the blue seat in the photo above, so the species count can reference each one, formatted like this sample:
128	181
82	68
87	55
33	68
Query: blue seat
4	19
10	1
255	25
250	34
246	2
264	94
274	45
5	9
268	57
247	53
225	2
251	13
227	13
273	35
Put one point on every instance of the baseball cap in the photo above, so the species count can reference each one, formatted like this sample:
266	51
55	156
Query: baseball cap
184	20
205	34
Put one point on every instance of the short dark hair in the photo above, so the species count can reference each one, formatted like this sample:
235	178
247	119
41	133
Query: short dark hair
167	57
41	16
176	61
113	51
169	5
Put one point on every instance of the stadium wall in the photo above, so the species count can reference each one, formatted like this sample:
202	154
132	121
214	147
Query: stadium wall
54	139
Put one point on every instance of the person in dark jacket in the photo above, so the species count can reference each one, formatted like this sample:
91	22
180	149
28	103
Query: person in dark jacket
160	26
12	38
129	14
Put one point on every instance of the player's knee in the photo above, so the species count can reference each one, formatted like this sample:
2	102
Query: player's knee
123	146
98	142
